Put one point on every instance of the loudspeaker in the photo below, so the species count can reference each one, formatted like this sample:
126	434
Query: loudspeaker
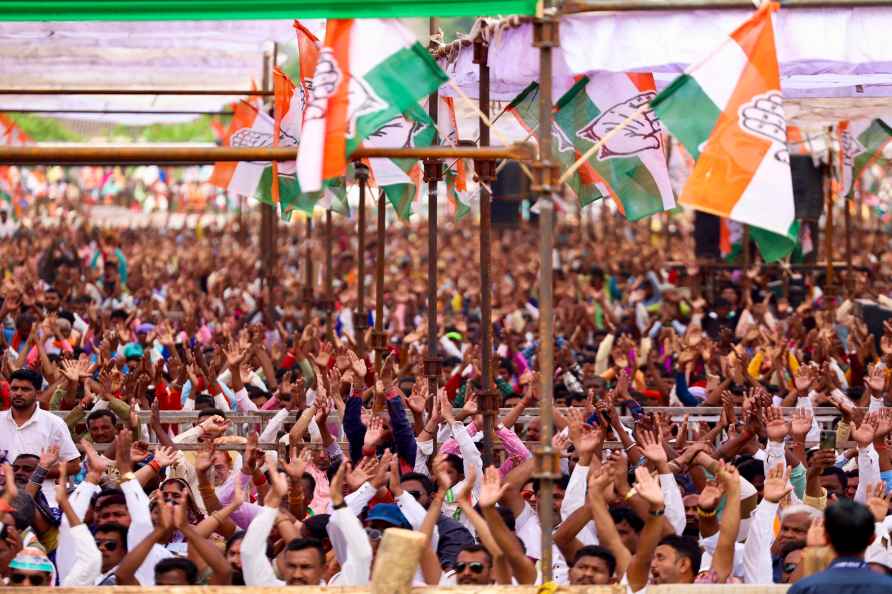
808	187
511	186
707	234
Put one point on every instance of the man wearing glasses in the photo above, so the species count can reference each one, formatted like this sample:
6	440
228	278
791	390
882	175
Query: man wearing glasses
473	566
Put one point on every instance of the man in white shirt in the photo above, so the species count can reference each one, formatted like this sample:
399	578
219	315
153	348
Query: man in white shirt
27	429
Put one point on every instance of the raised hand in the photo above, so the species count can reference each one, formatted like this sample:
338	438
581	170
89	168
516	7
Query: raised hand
491	489
297	463
816	535
876	380
374	432
804	378
709	497
878	501
864	433
165	456
277	480
775	425
204	458
777	484
648	488
651	447
96	464
801	423
361	473
357	365
49	456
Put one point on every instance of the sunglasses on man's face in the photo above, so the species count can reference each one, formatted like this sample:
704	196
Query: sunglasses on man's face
415	494
33	579
108	545
474	566
790	567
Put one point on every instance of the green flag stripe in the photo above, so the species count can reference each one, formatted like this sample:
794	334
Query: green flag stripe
687	111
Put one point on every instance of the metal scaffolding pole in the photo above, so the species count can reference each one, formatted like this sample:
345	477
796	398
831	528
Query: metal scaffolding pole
546	174
485	170
378	339
267	241
194	155
433	173
360	323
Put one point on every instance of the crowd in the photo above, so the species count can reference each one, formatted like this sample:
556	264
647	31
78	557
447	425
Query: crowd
104	331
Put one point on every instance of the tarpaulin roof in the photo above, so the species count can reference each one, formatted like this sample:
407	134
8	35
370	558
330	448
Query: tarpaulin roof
838	53
206	55
171	10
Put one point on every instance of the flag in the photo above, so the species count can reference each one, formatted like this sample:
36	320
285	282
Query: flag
369	72
728	112
308	55
253	128
288	109
631	166
11	134
861	143
401	179
456	173
525	109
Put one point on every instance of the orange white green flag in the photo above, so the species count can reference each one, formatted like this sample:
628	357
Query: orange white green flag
369	72
861	143
727	111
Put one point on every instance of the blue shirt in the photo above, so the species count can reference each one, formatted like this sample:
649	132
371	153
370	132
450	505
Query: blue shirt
846	575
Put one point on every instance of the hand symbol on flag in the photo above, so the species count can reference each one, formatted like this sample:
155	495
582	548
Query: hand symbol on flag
764	117
641	134
325	82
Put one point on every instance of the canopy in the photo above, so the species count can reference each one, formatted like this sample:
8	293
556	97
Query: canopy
839	53
205	55
174	10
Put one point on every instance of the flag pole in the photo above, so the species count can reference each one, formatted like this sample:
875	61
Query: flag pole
547	469
433	173
308	265
485	170
360	317
378	340
329	275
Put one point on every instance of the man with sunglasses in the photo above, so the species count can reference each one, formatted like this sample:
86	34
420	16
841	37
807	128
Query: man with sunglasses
473	566
31	568
111	540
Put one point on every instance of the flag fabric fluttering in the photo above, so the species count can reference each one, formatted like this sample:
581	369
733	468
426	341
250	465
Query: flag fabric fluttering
308	55
253	128
631	168
369	72
728	112
288	112
861	143
456	174
633	164
401	179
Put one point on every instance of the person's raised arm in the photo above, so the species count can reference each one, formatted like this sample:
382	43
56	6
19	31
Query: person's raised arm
127	568
608	535
723	558
76	536
204	548
501	568
491	491
648	488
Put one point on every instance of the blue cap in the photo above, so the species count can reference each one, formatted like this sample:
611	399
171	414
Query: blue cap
388	512
132	350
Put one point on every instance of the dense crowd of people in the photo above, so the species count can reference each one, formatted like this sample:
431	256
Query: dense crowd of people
105	331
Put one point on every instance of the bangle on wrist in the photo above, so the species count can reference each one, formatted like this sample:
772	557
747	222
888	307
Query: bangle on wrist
156	466
340	505
701	513
656	513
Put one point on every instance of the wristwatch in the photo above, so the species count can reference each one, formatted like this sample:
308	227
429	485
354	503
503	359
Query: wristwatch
127	476
339	505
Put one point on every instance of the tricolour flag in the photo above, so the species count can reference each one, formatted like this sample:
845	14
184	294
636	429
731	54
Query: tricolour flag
861	143
253	128
584	183
369	72
631	165
456	170
308	55
728	112
401	179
